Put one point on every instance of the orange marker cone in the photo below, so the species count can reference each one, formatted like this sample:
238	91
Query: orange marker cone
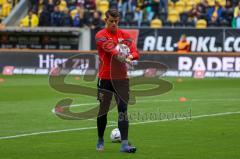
77	78
179	80
2	80
182	99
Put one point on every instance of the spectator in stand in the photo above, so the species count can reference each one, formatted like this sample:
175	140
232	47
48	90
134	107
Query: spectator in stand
73	12
49	5
235	15
90	5
163	6
235	2
228	11
95	22
67	19
120	7
238	21
71	4
56	17
155	7
33	5
138	15
124	8
45	17
80	3
56	2
196	13
79	19
132	5
228	7
45	1
183	46
68	2
201	11
113	4
5	8
204	5
31	20
236	10
192	14
128	6
214	13
148	9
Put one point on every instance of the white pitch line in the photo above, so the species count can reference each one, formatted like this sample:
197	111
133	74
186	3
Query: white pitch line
158	100
163	100
53	111
46	132
82	104
191	117
136	123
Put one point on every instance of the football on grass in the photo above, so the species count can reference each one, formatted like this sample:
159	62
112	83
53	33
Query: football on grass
115	135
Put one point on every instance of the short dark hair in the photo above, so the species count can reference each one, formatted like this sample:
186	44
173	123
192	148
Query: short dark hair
113	13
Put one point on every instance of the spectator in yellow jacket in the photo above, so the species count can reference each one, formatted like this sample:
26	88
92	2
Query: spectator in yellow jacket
31	20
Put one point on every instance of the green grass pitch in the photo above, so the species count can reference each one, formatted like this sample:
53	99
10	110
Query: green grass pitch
213	132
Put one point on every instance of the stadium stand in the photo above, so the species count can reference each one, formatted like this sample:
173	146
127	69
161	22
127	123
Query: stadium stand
135	13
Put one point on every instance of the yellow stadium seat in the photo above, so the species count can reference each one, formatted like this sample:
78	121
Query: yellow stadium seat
197	1
180	6
97	2
222	2
189	5
103	6
201	24
211	2
185	1
171	8
62	5
173	16
170	4
156	23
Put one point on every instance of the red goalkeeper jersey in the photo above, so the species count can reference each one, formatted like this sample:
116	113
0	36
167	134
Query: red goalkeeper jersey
109	67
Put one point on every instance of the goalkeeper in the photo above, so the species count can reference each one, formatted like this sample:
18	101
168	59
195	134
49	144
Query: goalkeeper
116	50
